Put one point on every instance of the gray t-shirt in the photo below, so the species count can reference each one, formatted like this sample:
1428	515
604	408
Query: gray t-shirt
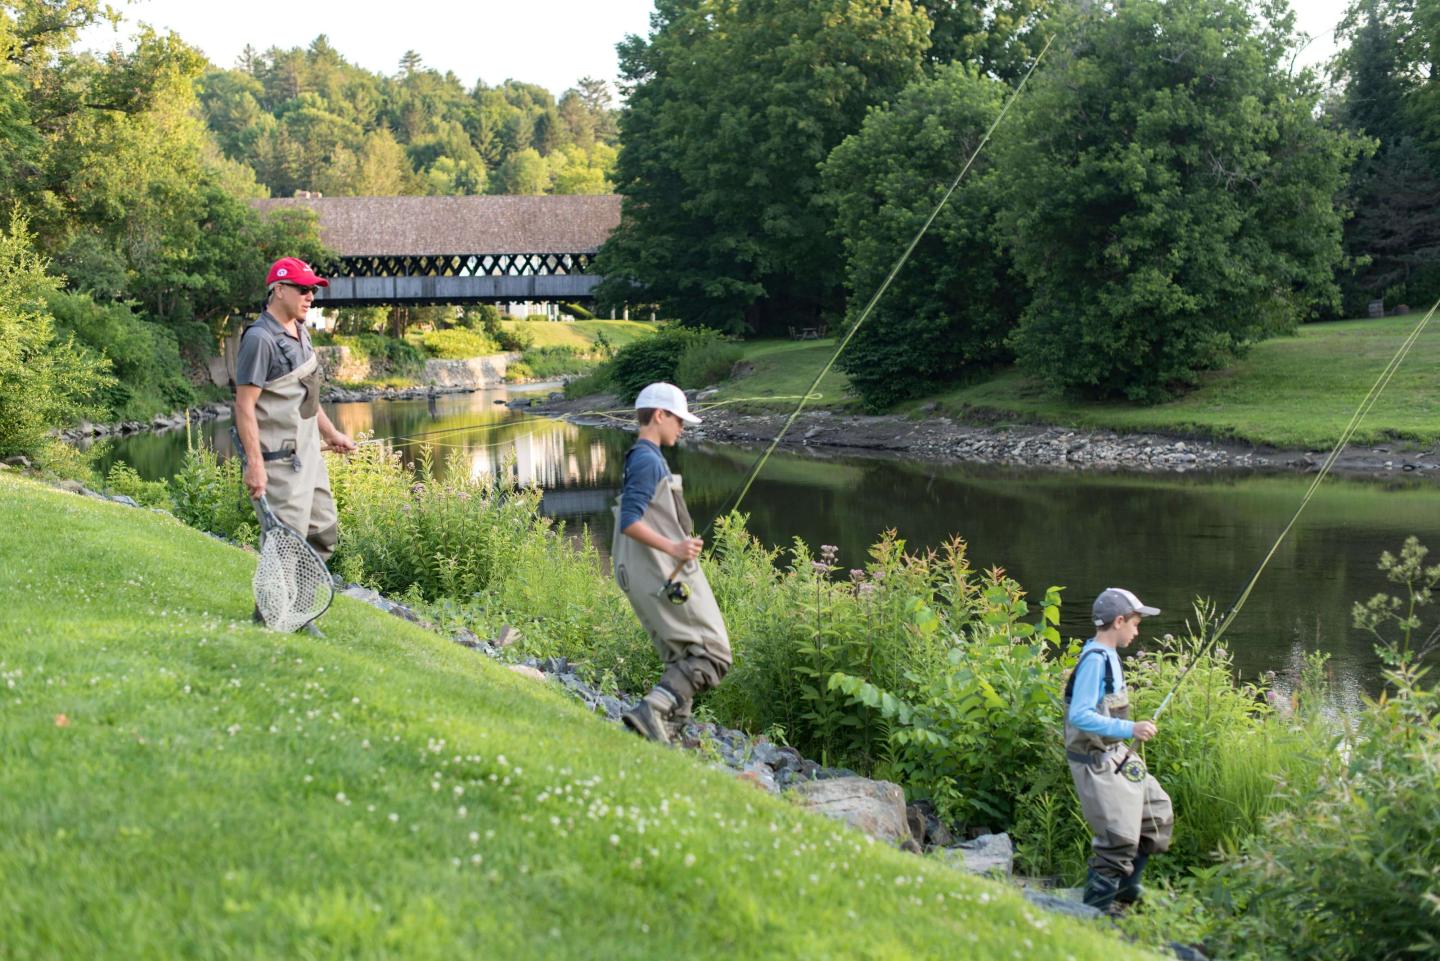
268	352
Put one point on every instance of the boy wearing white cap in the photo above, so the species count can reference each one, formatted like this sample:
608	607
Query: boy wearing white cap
654	554
1125	806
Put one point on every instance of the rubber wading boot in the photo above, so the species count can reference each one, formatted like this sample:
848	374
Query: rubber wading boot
647	722
1130	890
1100	890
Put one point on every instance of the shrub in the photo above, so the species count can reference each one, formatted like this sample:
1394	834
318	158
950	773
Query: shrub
515	337
123	479
388	356
479	552
45	381
655	358
547	363
486	319
537	318
144	357
586	385
210	495
707	362
1351	867
457	343
518	372
968	733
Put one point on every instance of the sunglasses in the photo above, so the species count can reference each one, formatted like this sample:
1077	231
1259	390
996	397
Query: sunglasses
303	290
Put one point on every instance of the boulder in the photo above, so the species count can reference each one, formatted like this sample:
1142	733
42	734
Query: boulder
991	854
1067	901
525	670
875	807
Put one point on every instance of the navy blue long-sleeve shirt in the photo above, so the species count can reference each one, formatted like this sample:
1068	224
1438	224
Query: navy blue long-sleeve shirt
645	468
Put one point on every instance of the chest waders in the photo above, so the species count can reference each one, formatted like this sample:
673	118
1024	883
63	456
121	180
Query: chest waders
296	482
689	634
1127	809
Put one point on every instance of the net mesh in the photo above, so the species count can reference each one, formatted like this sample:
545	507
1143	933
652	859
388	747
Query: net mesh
292	586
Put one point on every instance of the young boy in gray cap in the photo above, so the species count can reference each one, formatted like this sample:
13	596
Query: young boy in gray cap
1124	805
654	554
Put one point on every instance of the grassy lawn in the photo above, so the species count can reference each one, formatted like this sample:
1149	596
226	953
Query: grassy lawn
581	334
1290	391
785	368
181	784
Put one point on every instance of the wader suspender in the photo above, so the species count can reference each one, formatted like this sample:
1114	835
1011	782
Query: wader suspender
1109	674
1108	687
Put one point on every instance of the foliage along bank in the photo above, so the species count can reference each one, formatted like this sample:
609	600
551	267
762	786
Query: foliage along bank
921	669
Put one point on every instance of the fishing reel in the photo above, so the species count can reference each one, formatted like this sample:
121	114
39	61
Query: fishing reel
676	592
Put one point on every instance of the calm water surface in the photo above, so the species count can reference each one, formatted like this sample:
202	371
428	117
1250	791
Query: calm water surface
1168	538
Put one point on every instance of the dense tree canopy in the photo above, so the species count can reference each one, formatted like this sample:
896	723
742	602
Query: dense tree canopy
947	313
306	119
732	106
1391	92
1170	196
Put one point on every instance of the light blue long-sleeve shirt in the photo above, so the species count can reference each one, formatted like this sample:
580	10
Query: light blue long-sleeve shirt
1088	691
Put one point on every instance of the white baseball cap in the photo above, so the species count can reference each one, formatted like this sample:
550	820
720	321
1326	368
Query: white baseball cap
664	396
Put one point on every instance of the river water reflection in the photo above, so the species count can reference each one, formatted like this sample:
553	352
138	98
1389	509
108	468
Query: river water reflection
1168	538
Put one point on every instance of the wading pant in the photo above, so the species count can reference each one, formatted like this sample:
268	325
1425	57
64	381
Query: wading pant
690	638
1128	817
297	485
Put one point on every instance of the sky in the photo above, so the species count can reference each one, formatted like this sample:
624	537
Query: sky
552	43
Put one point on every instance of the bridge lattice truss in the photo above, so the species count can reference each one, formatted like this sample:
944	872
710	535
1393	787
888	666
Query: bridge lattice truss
462	265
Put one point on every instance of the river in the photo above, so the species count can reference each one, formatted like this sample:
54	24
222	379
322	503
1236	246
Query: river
1169	538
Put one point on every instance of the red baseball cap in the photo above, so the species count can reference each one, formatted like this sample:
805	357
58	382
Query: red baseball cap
291	270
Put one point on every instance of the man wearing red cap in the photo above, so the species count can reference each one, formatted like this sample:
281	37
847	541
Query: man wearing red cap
277	408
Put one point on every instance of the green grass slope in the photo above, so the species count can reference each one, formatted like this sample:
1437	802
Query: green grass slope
180	784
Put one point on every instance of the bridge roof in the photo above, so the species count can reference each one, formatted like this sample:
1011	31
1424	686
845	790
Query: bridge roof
419	226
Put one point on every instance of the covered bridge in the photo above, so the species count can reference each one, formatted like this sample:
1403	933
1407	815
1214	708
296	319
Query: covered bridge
455	250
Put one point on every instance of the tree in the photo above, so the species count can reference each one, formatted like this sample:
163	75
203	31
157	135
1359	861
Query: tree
525	172
1170	196
1389	86
731	108
948	312
45	383
1000	38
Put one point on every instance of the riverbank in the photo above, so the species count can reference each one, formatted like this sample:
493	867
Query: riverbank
1287	397
938	438
430	801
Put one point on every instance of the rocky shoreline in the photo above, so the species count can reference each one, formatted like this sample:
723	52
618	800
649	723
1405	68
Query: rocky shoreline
939	438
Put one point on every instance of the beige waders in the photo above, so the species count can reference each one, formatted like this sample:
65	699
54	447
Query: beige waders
690	637
296	481
1126	808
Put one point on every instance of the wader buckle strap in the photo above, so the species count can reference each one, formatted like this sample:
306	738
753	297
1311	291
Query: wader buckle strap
287	451
1079	758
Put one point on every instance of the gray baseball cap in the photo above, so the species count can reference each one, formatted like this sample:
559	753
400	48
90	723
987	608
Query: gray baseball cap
1116	602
